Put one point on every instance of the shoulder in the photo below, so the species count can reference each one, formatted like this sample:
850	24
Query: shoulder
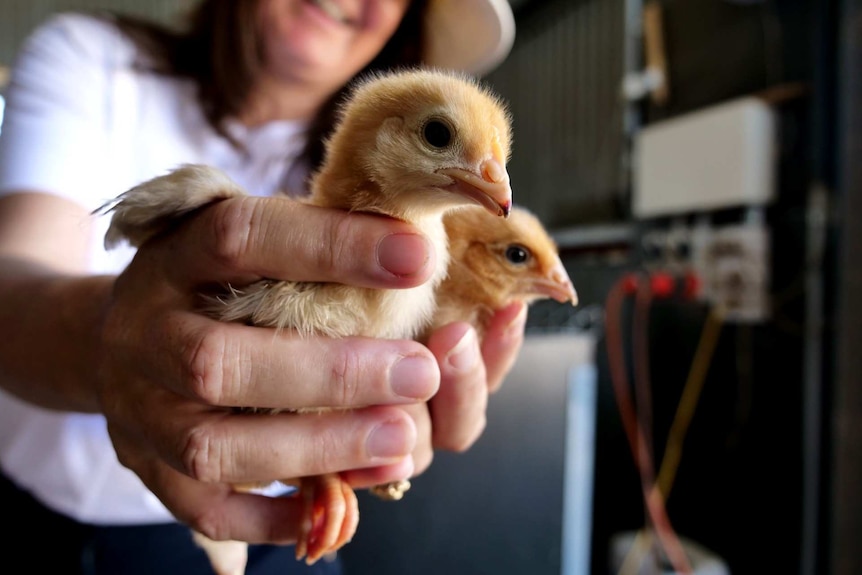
82	30
66	64
69	37
60	124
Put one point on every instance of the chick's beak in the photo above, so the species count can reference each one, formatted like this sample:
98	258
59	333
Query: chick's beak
490	188
556	284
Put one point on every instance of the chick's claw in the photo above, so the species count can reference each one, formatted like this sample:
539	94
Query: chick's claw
331	516
391	491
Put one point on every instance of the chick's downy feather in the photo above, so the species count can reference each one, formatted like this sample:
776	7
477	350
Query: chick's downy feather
412	145
494	262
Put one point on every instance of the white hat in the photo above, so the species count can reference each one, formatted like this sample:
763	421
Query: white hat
470	35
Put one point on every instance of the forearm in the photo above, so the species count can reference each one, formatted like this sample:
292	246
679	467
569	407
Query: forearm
53	324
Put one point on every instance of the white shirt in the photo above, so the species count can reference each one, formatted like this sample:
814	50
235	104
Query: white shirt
82	123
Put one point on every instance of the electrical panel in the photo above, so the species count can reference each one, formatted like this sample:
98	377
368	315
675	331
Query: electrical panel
732	262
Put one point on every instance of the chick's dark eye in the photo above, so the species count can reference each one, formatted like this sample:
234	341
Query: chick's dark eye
517	254
437	134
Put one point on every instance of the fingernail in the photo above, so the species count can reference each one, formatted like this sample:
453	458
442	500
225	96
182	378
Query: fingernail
403	254
414	376
465	354
389	439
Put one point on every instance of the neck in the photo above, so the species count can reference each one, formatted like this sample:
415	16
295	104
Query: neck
271	100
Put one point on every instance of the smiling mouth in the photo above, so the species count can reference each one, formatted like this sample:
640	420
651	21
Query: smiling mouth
333	10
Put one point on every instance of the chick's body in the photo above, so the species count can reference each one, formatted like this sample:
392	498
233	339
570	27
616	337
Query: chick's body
412	145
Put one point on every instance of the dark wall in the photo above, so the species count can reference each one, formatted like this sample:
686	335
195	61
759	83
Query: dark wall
845	430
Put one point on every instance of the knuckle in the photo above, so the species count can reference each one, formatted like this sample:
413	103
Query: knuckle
466	400
340	234
344	376
211	523
206	365
202	457
233	224
323	452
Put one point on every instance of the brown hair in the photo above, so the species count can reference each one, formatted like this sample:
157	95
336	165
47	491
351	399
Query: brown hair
220	52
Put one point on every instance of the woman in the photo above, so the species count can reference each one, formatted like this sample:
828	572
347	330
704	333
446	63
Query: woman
115	413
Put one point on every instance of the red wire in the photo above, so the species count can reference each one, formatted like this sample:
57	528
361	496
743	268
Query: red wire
640	351
655	506
617	367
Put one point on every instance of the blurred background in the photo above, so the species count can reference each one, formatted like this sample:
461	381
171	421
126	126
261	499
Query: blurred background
699	163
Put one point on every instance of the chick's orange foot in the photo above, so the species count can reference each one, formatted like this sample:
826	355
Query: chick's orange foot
330	519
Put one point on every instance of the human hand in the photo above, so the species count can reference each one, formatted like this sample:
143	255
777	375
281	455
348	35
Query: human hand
470	371
169	375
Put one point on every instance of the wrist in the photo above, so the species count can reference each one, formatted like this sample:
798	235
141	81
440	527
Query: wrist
57	319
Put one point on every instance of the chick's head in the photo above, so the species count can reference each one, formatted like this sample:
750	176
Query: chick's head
508	260
423	140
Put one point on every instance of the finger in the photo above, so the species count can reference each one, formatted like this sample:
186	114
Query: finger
410	466
219	512
503	340
229	364
249	448
371	476
245	238
458	408
423	453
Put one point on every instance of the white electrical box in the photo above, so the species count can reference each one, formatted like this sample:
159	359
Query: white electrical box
720	157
